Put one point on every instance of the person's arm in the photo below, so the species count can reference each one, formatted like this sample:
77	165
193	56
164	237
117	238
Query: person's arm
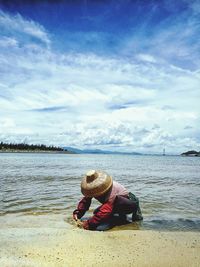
82	207
104	212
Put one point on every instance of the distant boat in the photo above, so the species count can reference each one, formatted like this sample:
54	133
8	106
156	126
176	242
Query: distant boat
163	151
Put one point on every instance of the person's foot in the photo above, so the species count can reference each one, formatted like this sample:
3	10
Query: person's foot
137	216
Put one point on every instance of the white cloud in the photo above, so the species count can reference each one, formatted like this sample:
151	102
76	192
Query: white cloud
173	39
7	41
95	101
18	24
147	58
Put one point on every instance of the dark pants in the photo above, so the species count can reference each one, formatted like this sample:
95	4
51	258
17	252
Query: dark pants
115	220
122	207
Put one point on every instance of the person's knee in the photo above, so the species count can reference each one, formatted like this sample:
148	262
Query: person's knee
103	227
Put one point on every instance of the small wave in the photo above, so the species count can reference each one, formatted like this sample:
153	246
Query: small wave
33	211
10	200
180	224
154	182
18	203
48	198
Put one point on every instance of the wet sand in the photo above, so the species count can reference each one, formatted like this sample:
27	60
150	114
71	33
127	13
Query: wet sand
50	240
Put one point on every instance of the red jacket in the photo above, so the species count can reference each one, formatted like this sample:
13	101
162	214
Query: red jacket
105	211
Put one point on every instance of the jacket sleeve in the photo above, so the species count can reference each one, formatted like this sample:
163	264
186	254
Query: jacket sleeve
103	213
82	207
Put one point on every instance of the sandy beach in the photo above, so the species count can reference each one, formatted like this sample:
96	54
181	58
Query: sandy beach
51	240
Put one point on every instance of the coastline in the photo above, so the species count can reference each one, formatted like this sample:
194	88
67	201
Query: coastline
53	240
37	152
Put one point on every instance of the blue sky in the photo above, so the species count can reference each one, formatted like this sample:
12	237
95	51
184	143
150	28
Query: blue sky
115	75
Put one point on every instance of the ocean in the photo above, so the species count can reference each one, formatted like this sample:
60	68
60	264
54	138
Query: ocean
168	186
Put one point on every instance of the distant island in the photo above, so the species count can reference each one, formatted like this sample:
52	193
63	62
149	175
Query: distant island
99	151
191	153
22	147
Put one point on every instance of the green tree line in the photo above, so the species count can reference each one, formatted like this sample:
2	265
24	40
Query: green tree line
22	146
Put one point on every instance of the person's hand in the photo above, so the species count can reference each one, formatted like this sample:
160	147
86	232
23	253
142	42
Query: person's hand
75	217
79	223
83	224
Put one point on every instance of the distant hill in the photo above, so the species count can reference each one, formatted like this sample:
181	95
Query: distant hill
98	151
191	153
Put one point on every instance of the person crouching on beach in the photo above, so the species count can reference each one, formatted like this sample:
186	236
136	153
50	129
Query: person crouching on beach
116	202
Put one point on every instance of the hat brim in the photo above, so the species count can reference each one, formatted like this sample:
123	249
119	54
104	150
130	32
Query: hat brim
98	187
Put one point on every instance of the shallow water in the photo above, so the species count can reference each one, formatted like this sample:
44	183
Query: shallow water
168	187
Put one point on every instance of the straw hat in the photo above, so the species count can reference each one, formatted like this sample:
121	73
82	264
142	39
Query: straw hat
95	183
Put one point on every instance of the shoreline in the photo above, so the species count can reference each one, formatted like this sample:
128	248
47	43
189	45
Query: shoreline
39	152
53	240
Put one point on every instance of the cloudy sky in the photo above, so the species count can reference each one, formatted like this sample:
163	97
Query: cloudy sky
117	75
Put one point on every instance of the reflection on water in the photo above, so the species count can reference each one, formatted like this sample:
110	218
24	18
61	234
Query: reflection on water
168	187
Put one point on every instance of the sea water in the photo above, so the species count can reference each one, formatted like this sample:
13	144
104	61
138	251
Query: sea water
168	186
